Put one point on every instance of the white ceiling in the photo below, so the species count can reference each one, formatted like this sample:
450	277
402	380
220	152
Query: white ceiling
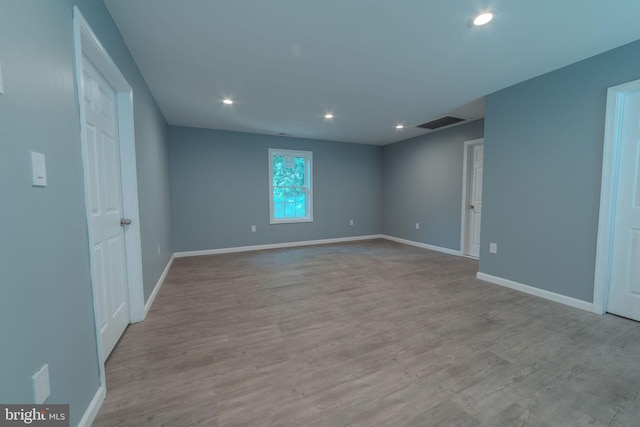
373	64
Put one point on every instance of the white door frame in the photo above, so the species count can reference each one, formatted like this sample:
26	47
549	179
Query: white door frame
608	191
86	43
468	147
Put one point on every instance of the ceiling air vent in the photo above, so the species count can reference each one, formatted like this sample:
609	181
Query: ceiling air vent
441	122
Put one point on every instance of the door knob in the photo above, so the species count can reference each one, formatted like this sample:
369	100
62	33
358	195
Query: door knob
471	206
125	221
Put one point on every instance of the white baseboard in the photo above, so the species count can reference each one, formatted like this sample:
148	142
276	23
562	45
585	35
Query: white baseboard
552	296
94	407
156	289
423	245
274	246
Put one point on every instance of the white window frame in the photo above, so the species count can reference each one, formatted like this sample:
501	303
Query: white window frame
308	159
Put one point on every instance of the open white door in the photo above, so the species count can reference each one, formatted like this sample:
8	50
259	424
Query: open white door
472	197
624	288
111	191
617	273
106	219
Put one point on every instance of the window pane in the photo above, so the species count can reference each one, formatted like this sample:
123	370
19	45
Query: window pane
290	195
299	171
301	210
278	210
278	170
278	195
289	210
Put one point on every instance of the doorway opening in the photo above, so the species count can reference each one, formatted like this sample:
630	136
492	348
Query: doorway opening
617	272
90	54
472	167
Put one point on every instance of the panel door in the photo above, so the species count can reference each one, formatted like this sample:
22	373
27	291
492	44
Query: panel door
475	201
104	182
624	287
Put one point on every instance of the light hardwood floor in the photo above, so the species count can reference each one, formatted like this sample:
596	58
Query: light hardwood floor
370	333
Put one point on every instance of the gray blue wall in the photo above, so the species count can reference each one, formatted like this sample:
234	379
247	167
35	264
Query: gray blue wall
422	182
542	171
543	154
46	313
220	187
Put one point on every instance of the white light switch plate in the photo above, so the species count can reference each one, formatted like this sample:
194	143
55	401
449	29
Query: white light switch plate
41	389
493	248
38	169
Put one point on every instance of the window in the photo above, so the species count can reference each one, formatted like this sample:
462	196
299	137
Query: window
290	196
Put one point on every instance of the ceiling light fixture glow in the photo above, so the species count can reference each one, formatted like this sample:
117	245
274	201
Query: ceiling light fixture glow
328	116
399	126
482	18
227	101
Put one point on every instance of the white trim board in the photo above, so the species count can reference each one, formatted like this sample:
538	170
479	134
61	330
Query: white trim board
552	296
275	246
156	289
93	408
314	242
423	245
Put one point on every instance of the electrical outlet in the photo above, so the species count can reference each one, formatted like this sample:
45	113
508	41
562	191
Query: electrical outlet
41	389
350	222
417	226
493	248
253	228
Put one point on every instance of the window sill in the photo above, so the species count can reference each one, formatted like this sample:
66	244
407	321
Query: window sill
290	220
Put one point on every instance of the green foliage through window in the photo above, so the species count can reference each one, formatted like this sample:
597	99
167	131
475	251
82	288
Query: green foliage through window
290	185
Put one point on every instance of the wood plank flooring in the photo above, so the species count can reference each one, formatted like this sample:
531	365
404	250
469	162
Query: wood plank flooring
369	333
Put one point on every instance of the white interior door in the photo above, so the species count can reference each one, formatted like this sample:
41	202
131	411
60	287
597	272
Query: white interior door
104	190
624	287
474	204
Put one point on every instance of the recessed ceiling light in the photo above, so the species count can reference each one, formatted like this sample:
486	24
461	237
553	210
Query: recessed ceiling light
227	101
399	126
328	116
482	18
